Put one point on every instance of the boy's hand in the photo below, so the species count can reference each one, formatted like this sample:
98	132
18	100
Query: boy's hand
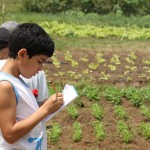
54	102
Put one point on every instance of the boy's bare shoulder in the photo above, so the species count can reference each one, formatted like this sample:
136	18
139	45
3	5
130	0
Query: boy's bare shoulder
6	93
5	85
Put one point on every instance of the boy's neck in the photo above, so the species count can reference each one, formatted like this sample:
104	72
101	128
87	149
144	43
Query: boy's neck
11	67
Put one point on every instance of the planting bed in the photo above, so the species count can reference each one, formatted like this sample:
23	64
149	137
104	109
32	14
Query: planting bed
118	68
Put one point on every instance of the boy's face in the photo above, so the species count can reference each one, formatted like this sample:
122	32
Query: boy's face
29	67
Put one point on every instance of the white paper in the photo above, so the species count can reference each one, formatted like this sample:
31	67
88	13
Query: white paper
69	93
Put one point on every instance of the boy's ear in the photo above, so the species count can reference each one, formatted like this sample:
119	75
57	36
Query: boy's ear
22	52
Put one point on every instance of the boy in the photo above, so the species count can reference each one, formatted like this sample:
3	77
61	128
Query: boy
20	116
36	82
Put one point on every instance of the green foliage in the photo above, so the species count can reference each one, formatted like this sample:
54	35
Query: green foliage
83	31
113	94
120	111
127	92
145	127
145	111
12	6
99	130
77	132
97	111
54	133
135	95
123	131
126	7
92	92
51	6
146	93
133	7
55	61
80	18
3	13
72	111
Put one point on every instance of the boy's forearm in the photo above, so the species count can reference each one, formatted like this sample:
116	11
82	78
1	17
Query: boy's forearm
21	128
41	103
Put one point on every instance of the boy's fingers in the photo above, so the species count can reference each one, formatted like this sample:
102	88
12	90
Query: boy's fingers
59	95
61	102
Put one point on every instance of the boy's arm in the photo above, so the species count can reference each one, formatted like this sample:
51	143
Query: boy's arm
12	130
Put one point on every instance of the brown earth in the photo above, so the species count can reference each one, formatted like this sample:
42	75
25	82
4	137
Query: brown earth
121	77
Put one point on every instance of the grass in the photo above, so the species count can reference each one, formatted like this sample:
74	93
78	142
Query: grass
73	43
76	18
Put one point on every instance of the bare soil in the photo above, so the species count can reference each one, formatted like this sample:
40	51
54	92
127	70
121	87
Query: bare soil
112	141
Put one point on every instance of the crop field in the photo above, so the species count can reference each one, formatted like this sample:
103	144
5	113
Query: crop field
112	111
107	59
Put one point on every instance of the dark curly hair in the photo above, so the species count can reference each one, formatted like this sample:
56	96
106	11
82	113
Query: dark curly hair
33	38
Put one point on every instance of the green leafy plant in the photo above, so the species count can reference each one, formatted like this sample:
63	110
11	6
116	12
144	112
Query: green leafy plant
131	68
120	111
80	31
85	71
145	129
93	66
137	98
68	56
72	111
54	133
115	59
71	73
132	55
146	61
124	132
55	62
91	92
129	60
112	67
84	59
145	93
127	92
99	130
104	76
145	111
113	94
99	58
77	132
97	111
134	95
74	63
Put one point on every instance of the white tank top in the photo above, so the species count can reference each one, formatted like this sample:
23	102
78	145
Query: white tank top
36	139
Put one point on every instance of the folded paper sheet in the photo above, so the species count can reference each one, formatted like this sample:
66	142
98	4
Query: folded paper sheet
69	93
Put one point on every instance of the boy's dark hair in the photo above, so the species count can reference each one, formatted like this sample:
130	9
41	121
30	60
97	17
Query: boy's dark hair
31	37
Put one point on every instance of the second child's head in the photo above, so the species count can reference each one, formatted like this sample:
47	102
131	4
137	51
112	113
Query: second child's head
4	37
30	46
5	31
